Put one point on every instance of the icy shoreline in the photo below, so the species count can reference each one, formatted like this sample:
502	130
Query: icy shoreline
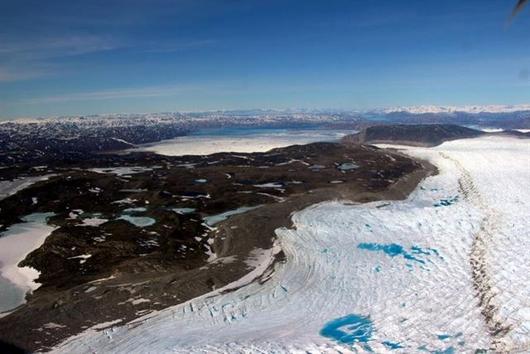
15	244
8	188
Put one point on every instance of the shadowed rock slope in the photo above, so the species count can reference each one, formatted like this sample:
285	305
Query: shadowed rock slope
415	134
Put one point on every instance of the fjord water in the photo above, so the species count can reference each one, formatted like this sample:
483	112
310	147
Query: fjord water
243	140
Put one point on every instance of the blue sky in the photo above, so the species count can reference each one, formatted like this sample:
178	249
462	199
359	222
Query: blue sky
85	57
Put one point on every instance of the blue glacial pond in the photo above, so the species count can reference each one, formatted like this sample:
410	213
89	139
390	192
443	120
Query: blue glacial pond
446	201
349	329
414	254
392	345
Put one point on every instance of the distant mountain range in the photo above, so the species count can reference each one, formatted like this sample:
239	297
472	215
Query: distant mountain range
297	114
38	141
472	109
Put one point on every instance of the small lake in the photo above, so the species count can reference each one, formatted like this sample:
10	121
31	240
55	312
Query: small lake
214	219
132	215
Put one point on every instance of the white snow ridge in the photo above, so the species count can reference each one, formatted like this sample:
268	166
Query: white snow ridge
439	272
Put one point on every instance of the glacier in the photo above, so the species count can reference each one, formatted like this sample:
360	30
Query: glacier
446	270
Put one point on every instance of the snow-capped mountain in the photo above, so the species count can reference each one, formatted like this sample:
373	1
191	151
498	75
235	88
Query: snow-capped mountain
473	109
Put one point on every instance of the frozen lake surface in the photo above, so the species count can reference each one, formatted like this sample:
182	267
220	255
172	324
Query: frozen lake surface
15	244
436	273
210	141
8	188
214	219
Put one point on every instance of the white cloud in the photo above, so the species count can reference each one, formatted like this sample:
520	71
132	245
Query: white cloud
13	73
25	59
52	47
152	91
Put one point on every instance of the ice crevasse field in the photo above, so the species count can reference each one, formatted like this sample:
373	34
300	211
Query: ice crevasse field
445	271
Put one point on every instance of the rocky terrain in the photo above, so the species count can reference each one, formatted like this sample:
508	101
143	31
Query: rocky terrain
420	134
41	141
142	232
